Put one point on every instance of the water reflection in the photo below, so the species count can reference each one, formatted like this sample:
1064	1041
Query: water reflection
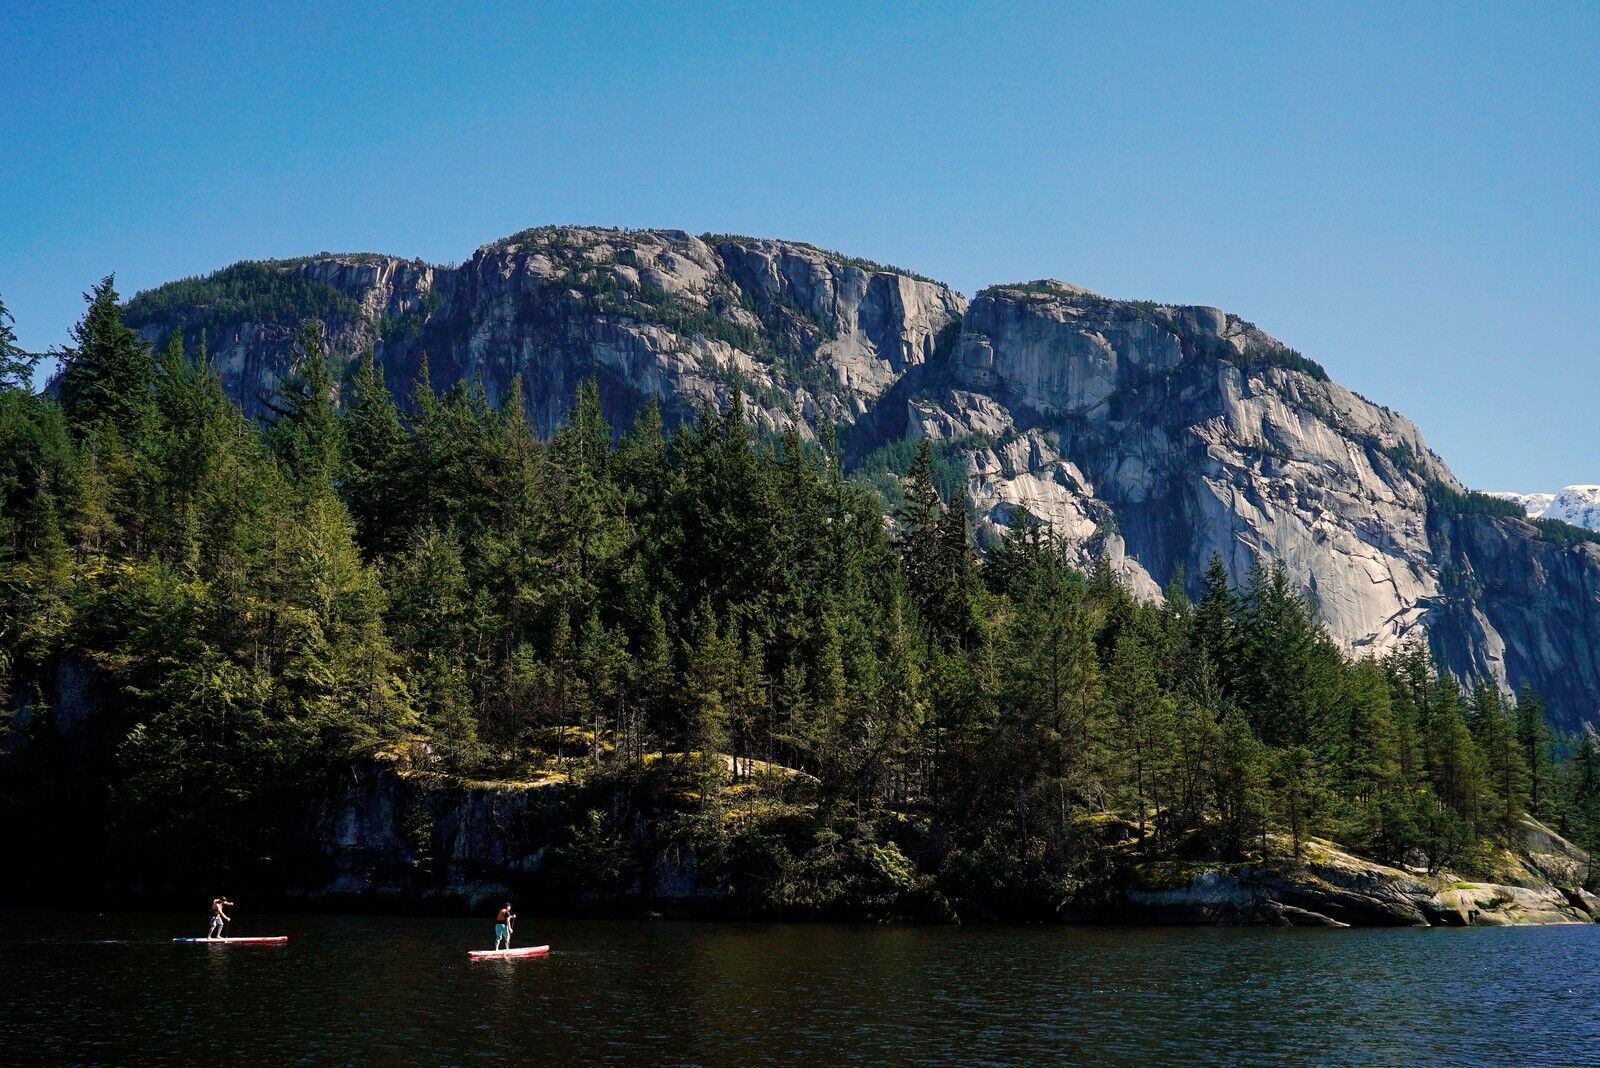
349	989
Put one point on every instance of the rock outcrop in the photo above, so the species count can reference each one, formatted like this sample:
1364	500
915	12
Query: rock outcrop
1147	435
1329	887
1199	434
387	835
650	313
1521	607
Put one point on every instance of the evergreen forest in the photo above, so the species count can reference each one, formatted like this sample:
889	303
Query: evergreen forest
720	635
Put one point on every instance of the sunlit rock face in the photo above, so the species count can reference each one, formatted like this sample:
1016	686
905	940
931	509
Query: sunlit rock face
649	313
1147	436
1195	434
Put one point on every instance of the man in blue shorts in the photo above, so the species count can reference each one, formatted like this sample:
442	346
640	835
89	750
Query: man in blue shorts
503	921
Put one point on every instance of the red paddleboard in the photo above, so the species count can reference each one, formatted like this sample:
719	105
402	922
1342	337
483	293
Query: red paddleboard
526	951
271	939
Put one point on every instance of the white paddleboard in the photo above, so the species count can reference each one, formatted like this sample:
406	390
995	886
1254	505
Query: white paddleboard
526	951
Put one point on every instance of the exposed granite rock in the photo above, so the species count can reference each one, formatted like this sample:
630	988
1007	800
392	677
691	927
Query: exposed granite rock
1521	607
386	835
1010	471
1331	887
1147	435
651	313
1201	435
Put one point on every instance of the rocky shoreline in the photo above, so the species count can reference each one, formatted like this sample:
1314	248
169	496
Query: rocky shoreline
388	839
1334	888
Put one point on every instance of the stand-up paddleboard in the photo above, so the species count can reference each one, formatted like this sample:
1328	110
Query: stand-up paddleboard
526	951
269	940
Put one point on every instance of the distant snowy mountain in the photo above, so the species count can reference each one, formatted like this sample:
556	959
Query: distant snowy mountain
1578	505
1532	503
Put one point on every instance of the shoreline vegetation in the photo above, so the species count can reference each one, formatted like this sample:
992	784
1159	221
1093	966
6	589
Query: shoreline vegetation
382	650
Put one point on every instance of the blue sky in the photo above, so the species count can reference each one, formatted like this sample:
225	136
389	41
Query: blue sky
1410	195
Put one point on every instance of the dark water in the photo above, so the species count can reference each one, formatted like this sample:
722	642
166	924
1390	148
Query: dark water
111	989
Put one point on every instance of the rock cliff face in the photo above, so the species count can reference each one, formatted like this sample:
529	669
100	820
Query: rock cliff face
1199	434
1147	435
660	314
1517	606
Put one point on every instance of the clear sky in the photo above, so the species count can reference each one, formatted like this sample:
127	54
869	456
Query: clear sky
1409	195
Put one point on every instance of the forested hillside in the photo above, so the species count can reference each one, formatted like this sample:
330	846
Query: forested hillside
1146	435
203	617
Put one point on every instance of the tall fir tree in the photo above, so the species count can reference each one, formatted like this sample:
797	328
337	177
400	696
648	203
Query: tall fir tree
105	375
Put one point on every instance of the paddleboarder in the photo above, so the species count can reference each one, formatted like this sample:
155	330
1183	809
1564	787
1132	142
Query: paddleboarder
503	922
219	916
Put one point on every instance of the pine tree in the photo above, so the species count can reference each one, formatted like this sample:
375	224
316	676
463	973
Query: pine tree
1240	786
956	615
306	434
1287	684
1143	716
378	487
16	366
1456	771
1534	738
1581	821
199	440
918	525
105	376
589	526
1025	544
710	694
1297	783
429	615
658	679
606	667
1215	615
1506	774
336	673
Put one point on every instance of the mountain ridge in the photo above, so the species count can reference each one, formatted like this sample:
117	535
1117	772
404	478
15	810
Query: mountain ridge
1148	435
1577	504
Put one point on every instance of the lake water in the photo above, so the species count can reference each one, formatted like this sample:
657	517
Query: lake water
111	989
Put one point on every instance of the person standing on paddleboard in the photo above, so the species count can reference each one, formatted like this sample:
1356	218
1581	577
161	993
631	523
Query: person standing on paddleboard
503	921
218	916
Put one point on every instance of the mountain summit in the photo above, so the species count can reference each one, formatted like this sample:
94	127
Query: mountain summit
1577	505
1150	436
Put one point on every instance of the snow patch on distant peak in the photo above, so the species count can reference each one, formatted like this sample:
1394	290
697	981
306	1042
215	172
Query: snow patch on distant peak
1532	503
1576	504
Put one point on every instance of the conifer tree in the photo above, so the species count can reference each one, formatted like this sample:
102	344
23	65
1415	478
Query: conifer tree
710	694
378	483
429	616
1534	738
1240	786
1297	782
16	366
1143	716
105	375
306	433
1506	774
588	518
1582	801
1214	623
918	525
1456	772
